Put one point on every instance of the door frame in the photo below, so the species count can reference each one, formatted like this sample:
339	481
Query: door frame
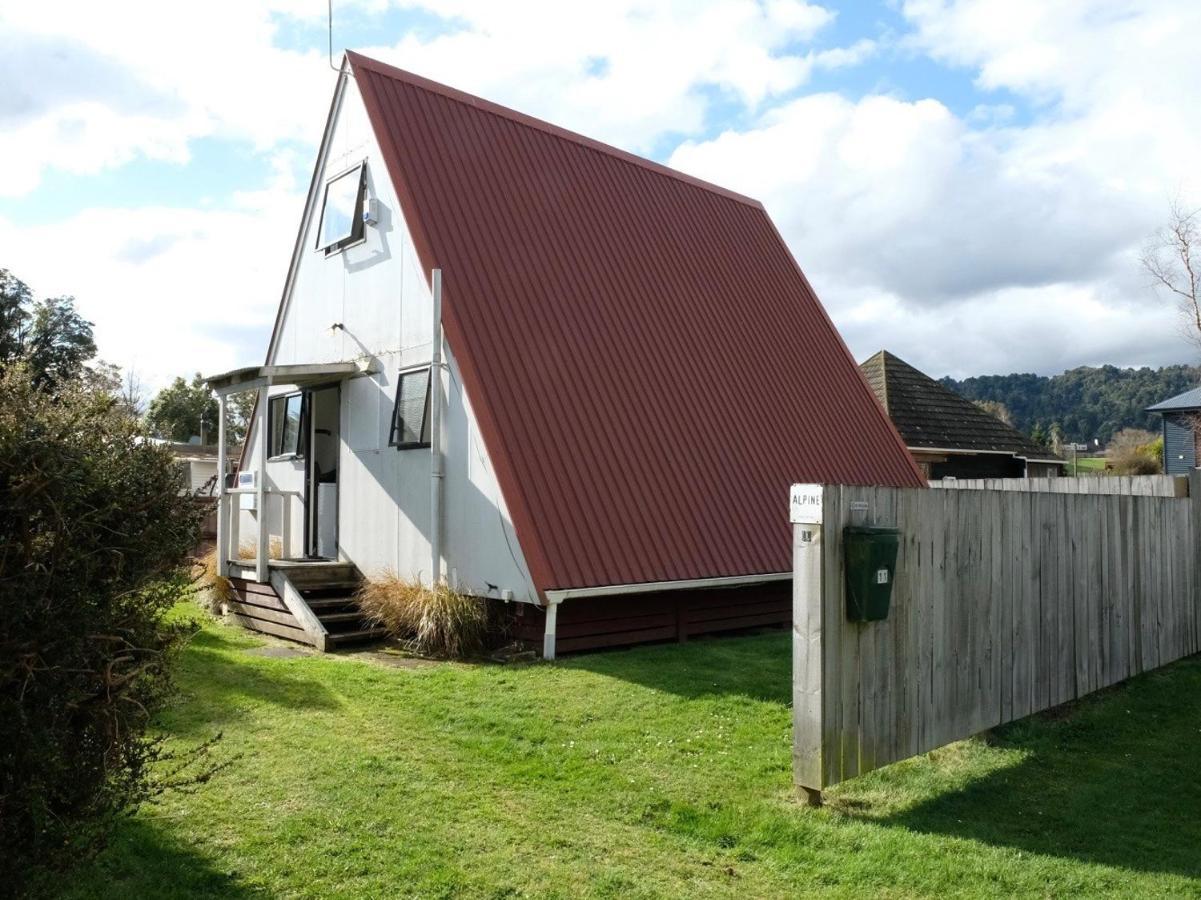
310	469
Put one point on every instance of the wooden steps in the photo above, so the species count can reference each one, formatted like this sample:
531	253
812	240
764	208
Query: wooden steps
312	603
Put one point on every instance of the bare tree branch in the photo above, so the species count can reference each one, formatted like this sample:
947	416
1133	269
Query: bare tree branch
1173	260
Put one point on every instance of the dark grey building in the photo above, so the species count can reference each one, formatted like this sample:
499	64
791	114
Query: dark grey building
1181	431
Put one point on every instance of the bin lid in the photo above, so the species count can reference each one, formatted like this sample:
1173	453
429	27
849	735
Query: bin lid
871	529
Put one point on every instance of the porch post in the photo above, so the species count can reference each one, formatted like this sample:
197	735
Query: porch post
808	662
261	574
551	632
222	550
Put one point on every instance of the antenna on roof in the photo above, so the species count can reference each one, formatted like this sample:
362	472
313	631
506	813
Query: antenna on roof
331	37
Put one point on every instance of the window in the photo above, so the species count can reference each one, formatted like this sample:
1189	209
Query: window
342	211
285	416
411	415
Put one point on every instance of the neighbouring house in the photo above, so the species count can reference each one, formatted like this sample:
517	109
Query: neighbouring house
543	369
198	462
1181	431
948	435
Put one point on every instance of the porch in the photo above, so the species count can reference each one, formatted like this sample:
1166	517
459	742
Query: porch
250	489
295	589
309	601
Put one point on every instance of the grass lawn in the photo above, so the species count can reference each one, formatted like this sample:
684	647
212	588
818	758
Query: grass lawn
1089	465
659	771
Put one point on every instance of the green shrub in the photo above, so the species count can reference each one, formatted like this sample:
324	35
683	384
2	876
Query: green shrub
433	621
94	533
1135	452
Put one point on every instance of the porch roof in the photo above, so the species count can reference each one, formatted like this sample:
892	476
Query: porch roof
252	377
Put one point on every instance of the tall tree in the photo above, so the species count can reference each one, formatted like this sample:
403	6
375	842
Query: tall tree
49	335
59	341
1173	260
239	409
15	300
184	410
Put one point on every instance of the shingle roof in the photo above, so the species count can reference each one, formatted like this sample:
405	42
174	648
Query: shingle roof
1187	400
929	415
649	367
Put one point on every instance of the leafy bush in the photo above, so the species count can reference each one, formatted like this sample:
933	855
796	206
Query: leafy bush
1135	452
94	531
433	621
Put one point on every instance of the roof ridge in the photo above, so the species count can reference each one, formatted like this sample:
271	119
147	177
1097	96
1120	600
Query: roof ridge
883	354
505	112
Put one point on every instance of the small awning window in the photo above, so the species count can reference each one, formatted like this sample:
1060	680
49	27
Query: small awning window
342	210
285	416
411	413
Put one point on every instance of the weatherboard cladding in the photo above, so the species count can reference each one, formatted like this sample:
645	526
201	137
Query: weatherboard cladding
1179	443
930	415
649	366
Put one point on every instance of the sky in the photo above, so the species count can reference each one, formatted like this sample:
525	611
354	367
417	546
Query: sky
967	183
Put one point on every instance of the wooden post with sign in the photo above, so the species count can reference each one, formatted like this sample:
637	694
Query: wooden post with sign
805	513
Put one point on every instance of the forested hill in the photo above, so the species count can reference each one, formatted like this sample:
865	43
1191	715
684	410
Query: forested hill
1087	402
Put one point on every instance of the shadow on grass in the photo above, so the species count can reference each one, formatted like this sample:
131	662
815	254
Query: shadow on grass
1111	780
757	666
141	861
220	685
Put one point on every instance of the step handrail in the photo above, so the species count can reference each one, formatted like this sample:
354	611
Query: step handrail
292	598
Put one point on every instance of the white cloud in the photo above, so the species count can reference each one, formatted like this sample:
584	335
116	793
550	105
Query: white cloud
96	85
170	291
627	71
999	240
983	245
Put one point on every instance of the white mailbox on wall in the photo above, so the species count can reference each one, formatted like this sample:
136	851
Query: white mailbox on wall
246	482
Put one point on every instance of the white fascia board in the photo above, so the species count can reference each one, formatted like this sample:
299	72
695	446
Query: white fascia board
299	375
310	203
649	587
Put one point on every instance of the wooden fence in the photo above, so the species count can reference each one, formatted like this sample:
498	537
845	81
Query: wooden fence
1123	485
1004	603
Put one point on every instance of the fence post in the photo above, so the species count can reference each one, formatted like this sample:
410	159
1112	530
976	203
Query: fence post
805	513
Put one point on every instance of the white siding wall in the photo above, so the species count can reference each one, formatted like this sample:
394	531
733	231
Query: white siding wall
381	297
200	471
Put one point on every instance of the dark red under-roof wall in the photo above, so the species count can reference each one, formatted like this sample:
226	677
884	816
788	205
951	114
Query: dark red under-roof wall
649	367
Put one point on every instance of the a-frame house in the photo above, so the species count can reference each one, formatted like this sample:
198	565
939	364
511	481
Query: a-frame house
543	369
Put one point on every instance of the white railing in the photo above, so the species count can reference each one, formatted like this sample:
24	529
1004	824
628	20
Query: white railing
229	539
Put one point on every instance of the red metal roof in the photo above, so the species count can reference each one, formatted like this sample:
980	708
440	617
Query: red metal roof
649	367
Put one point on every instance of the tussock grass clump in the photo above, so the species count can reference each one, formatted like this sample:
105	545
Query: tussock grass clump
212	588
432	621
275	549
